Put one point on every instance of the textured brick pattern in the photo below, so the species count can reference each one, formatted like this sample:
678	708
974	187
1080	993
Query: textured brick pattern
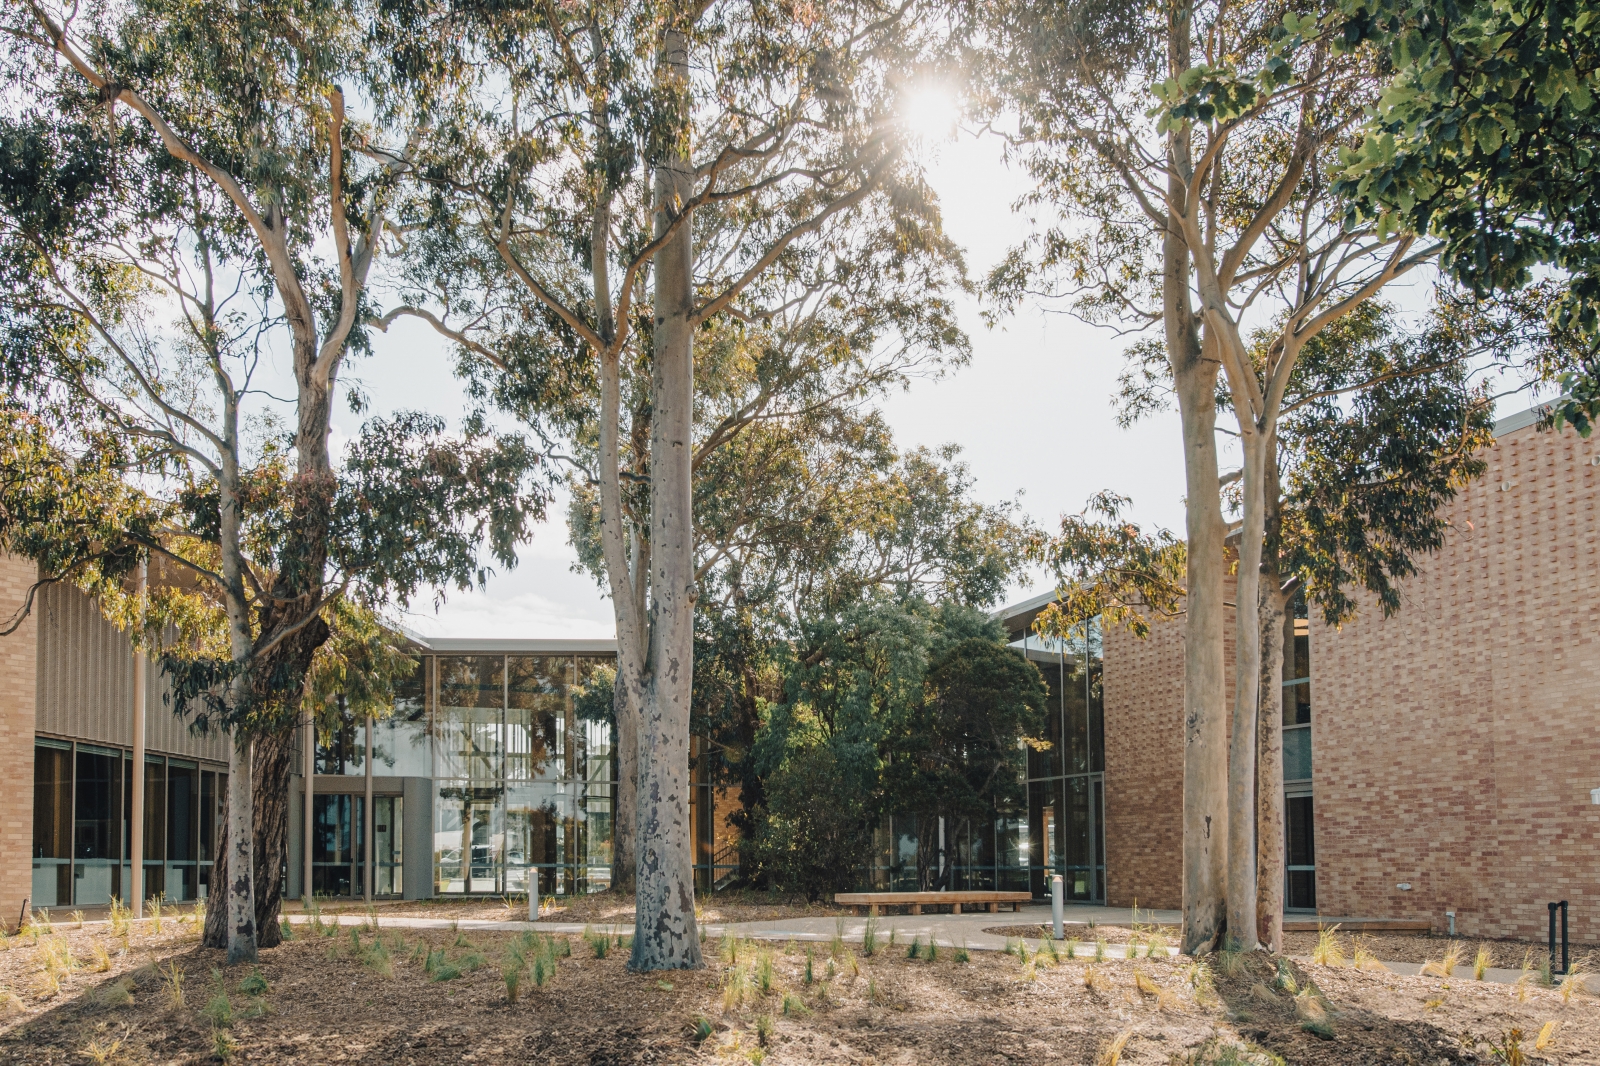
1456	743
18	677
1144	766
1144	762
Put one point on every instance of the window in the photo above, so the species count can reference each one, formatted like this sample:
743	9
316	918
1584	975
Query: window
83	803
1300	875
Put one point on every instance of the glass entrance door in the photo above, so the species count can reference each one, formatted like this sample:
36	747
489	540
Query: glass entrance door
483	846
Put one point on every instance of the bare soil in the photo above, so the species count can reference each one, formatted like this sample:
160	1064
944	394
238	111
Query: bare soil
600	908
331	999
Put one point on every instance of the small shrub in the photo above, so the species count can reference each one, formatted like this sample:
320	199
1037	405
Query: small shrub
152	907
511	974
254	985
1230	961
962	955
914	949
1481	962
119	918
1072	948
472	961
836	945
599	943
223	1045
810	978
932	953
1509	1050
869	938
763	1029
1047	946
77	917
99	959
893	932
1362	959
873	993
1100	950
219	1010
793	1005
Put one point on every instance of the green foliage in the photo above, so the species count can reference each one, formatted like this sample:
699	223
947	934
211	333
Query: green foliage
1108	567
1486	138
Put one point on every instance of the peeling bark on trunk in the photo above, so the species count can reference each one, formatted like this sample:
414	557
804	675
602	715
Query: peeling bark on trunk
624	845
240	906
1269	766
1194	373
271	817
1275	635
665	934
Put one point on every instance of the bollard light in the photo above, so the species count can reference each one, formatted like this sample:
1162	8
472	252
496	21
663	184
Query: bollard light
533	893
1055	907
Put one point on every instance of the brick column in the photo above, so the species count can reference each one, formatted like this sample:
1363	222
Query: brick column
18	689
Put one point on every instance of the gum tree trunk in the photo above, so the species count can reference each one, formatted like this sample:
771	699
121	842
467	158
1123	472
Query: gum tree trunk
1269	766
665	936
624	843
240	906
1247	683
271	816
1275	637
1194	374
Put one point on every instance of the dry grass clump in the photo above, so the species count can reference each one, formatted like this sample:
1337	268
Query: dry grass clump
1328	951
1445	967
1111	1052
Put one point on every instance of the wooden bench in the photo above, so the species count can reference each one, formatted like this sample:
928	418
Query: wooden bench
917	900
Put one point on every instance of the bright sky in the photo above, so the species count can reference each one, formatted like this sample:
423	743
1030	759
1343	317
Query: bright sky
1032	413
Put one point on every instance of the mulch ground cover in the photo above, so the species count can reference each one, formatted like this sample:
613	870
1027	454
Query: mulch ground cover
600	908
401	996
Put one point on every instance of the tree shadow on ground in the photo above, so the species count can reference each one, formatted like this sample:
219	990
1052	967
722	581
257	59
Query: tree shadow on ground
1277	1006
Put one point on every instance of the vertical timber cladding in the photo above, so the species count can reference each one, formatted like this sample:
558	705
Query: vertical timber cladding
85	686
1144	759
18	700
1456	743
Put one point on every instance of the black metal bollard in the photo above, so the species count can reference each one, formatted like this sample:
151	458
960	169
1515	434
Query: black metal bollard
1562	906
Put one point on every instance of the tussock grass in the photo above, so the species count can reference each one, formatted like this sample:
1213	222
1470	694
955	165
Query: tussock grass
1446	966
1328	951
1481	962
1111	1052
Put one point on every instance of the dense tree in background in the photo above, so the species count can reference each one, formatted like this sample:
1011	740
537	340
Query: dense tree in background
956	758
841	532
1486	138
848	739
169	173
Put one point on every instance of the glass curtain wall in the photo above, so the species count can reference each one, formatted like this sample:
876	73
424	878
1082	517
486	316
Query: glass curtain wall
1061	828
1065	825
83	798
1300	888
523	784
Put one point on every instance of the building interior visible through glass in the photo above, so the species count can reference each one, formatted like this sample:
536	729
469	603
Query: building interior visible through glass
1300	855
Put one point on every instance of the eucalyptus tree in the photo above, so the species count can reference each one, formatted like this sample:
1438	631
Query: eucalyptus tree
636	169
176	179
1190	151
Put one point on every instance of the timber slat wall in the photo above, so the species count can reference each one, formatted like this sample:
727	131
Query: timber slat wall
85	683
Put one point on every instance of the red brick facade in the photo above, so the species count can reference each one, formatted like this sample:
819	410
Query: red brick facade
18	684
1455	745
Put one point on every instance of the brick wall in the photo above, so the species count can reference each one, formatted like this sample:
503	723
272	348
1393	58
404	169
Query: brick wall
18	673
1144	761
1456	743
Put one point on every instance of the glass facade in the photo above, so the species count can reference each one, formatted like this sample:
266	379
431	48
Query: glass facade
83	794
1060	828
1300	888
1065	824
521	783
